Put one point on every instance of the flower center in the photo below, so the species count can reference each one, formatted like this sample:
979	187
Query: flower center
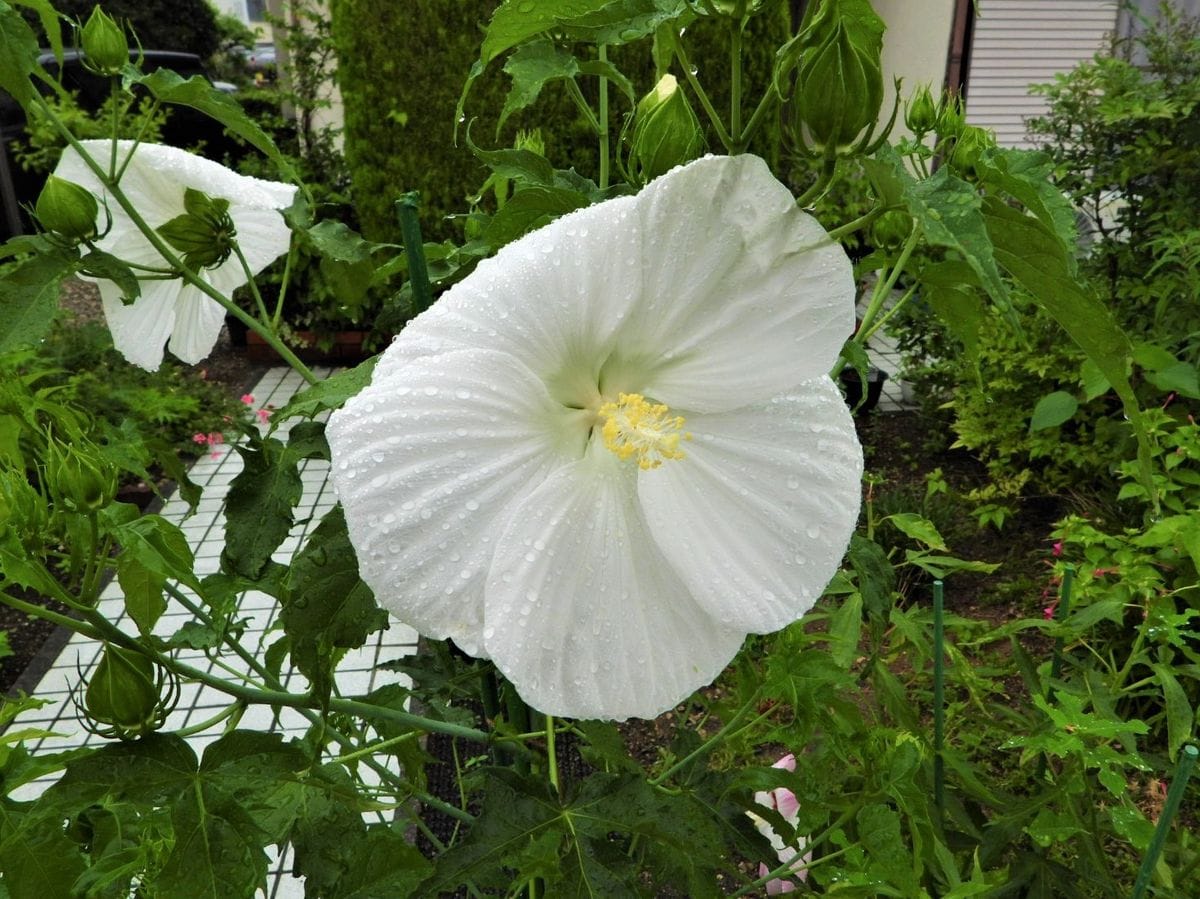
634	427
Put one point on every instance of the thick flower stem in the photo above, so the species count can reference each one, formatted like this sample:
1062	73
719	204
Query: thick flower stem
552	756
735	84
602	51
769	97
36	611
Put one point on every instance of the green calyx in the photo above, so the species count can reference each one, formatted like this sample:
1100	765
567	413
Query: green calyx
921	113
204	234
67	209
124	696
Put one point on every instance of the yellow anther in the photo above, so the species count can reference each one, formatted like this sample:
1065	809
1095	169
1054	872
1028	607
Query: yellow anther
633	427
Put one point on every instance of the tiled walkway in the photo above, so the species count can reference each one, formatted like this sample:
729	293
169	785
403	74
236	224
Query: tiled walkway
204	530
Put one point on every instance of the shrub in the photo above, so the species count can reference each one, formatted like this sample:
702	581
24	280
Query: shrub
189	26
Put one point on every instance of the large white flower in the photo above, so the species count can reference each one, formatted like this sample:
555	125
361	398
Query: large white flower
614	450
155	181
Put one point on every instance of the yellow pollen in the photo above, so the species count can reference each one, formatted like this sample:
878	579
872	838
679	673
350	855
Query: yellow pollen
634	427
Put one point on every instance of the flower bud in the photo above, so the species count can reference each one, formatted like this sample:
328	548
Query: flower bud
891	229
839	86
951	117
67	209
104	44
921	114
666	132
123	694
82	484
968	146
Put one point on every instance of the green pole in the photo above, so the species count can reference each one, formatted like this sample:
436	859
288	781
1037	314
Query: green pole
1183	771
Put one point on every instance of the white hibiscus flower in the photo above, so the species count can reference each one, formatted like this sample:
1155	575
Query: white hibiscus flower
614	450
155	180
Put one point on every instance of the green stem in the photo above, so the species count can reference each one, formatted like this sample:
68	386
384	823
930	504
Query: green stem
710	742
887	315
581	104
861	222
220	716
253	285
49	615
284	283
373	748
114	88
1060	615
414	248
552	755
735	84
689	75
137	141
824	179
757	117
939	702
602	52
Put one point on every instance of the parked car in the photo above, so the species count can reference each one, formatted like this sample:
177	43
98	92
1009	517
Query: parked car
184	128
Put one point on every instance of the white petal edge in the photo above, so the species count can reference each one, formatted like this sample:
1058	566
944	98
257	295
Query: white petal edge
139	330
198	322
584	615
744	294
426	462
757	517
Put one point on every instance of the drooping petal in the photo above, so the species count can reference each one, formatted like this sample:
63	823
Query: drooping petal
757	516
140	329
583	614
198	321
743	294
428	461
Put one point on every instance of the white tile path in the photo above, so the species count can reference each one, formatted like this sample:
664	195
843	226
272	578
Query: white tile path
357	674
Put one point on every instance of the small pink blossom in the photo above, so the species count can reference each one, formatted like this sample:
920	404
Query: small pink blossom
1056	550
248	399
783	801
263	415
200	438
1048	612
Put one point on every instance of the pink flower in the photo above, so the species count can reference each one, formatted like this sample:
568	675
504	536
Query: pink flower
216	438
1056	550
1048	612
264	415
785	803
200	438
248	399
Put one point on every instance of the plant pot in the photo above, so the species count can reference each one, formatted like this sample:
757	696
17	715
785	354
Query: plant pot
852	388
347	349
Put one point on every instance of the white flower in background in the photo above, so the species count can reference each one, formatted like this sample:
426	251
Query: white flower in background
785	803
614	450
155	182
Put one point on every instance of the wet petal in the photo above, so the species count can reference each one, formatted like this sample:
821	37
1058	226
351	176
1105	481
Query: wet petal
140	330
583	614
757	516
428	460
198	321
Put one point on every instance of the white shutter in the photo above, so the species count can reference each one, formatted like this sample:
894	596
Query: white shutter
1022	42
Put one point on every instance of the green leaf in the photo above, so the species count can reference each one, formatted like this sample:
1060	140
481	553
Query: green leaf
530	209
327	605
347	260
949	213
1053	410
1093	380
99	264
258	507
879	832
845	628
1051	827
940	566
156	544
18	55
537	63
518	164
198	93
29	295
1030	253
919	528
1028	176
1180	717
143	591
36	864
383	865
876	577
49	18
331	393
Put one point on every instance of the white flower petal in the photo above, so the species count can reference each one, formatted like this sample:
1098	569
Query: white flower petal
743	294
757	516
198	321
428	459
583	614
140	330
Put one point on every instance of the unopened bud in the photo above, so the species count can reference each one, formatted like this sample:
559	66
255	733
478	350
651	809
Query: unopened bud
104	44
666	132
968	146
67	209
123	695
920	114
839	86
951	117
83	484
891	229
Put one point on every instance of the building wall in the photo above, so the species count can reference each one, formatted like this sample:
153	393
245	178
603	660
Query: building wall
1018	43
914	46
